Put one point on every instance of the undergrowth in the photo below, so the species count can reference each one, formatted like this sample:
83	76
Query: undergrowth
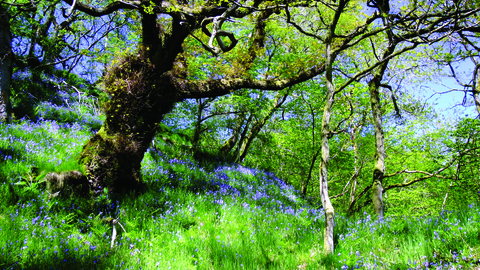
192	216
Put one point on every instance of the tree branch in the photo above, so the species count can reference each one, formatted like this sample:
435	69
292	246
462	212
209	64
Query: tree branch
429	175
219	87
108	9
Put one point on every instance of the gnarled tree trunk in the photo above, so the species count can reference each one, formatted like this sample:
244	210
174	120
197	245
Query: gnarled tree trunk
139	101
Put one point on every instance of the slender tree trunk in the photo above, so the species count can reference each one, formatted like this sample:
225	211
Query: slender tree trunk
314	154
476	88
374	90
258	125
312	164
353	189
379	169
446	196
198	124
243	136
330	55
202	104
230	143
6	66
328	244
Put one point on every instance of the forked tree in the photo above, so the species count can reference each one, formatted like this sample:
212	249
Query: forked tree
146	84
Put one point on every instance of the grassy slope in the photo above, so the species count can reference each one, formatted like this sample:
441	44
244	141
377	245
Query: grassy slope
192	217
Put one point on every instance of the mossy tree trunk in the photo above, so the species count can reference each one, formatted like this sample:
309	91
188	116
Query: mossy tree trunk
374	90
139	101
141	94
379	169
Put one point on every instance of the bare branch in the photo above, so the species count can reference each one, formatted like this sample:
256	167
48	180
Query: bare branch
108	9
217	32
428	175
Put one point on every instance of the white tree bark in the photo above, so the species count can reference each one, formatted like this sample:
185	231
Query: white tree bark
476	88
328	245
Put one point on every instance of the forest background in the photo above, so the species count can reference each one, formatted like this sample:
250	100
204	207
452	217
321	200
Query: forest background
329	97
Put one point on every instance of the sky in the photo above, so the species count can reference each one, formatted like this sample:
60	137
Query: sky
449	104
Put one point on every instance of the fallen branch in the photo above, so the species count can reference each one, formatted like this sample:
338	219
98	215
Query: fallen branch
114	232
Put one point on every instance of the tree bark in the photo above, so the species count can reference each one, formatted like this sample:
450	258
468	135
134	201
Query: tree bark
139	100
6	66
379	168
202	105
476	88
374	90
330	55
353	189
314	154
310	170
328	245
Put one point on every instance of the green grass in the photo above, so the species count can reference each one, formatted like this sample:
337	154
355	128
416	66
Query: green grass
190	217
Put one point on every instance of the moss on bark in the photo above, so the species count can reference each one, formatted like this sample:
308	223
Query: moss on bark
139	101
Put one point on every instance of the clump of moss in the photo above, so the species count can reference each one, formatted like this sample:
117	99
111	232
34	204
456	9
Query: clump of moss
112	162
71	183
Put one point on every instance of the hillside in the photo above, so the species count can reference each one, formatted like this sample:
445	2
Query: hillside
193	215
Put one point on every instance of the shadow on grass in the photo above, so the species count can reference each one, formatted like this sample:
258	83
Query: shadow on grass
50	262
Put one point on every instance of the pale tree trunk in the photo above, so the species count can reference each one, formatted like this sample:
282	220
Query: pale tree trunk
353	189
6	66
446	196
457	173
328	245
476	88
330	55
